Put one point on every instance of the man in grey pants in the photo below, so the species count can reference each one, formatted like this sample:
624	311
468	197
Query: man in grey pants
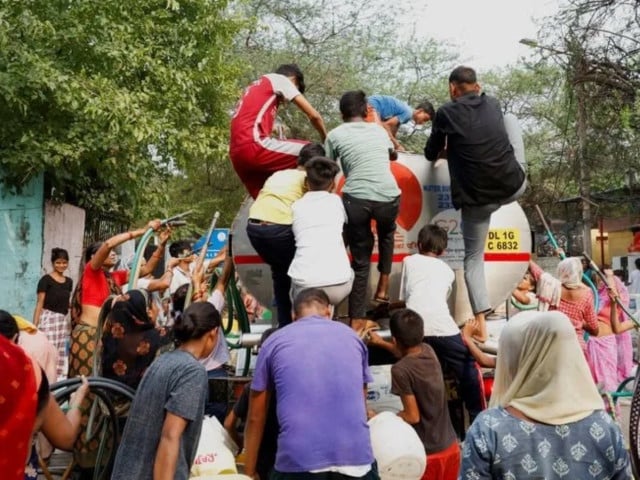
484	171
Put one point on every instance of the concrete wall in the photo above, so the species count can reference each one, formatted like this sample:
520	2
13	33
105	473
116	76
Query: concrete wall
619	243
20	247
615	245
63	228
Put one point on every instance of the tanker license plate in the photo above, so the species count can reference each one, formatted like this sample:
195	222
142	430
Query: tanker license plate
503	240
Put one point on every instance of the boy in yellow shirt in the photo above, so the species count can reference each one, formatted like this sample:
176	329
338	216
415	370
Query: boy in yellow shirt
269	226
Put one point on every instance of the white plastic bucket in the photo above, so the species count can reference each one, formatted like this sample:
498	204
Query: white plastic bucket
397	448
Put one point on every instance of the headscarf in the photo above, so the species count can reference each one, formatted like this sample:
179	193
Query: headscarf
131	311
542	371
18	391
549	290
570	273
130	340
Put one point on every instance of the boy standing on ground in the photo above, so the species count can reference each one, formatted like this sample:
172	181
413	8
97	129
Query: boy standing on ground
255	155
425	286
417	379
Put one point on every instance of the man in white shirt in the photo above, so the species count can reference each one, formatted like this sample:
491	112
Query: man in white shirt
182	250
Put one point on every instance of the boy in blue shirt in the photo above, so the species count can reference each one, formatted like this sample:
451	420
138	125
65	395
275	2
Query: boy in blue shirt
391	112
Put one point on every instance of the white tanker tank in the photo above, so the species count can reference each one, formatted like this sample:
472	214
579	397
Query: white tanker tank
425	198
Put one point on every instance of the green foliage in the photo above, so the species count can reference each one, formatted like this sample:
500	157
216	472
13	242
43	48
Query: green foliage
342	46
596	44
111	98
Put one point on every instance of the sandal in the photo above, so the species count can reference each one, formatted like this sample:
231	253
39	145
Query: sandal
381	300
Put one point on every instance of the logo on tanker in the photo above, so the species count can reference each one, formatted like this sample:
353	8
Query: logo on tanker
410	198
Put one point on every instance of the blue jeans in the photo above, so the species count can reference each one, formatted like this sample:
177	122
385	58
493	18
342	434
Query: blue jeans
475	227
277	247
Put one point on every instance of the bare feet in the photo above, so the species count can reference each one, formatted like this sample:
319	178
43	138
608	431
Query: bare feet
382	290
478	329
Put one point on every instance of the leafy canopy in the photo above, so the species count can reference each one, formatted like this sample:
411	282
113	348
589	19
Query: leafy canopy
110	98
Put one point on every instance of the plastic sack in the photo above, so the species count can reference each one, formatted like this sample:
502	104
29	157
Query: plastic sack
397	448
216	452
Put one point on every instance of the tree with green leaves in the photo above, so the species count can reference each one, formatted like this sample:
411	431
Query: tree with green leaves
109	99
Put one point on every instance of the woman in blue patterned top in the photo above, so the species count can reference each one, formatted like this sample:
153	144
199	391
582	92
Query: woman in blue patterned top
546	418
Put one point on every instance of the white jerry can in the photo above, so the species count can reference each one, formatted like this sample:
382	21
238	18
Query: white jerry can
398	450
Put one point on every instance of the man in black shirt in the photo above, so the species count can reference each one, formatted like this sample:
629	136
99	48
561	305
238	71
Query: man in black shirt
484	171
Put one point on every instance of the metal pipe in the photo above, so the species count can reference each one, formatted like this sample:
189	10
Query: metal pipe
248	340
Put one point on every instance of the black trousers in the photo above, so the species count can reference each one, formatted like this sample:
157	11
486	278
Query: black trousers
277	247
360	240
453	355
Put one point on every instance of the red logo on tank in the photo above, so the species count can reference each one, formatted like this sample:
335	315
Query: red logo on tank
410	198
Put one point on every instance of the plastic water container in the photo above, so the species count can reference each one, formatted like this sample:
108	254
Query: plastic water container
379	396
397	448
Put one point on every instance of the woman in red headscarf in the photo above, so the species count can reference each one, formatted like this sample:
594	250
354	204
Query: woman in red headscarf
18	391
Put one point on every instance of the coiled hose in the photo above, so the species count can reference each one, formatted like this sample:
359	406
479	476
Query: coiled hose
106	392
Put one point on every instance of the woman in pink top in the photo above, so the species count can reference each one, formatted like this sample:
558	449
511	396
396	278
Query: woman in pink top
574	299
603	349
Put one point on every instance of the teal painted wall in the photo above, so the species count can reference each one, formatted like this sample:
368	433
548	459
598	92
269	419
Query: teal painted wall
21	220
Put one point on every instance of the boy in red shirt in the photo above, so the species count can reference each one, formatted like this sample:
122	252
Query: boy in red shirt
255	155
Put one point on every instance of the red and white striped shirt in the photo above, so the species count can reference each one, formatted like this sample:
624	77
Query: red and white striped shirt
256	111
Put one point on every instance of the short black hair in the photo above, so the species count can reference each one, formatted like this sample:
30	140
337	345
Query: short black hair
637	262
178	248
293	70
321	171
309	296
8	325
59	254
463	74
309	151
353	104
427	106
432	239
407	327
